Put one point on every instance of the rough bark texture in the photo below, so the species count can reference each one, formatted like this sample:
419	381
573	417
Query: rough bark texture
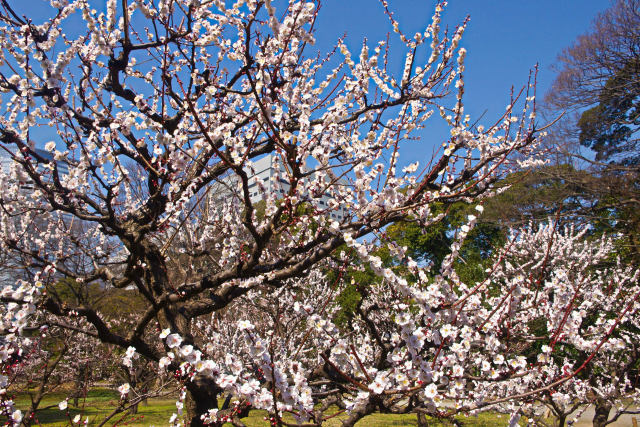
422	420
602	409
357	414
202	395
561	420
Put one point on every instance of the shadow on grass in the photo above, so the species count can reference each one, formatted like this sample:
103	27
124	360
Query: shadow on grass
100	402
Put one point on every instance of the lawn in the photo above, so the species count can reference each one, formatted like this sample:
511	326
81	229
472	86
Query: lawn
256	419
101	402
98	404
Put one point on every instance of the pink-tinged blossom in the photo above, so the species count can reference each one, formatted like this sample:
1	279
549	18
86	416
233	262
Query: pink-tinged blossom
173	340
124	389
16	416
164	362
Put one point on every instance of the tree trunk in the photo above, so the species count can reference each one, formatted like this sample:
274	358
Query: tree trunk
602	413
357	414
561	420
202	395
422	420
79	384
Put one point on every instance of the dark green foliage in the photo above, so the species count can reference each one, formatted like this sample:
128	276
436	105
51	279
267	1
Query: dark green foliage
357	278
432	244
608	128
598	86
536	195
348	301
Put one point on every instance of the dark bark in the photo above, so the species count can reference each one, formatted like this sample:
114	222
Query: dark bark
561	420
80	384
42	388
359	413
422	420
202	395
602	408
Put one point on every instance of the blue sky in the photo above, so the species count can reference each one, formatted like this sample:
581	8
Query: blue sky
504	39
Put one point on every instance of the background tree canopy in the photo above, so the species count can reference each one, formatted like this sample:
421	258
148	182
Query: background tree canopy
599	76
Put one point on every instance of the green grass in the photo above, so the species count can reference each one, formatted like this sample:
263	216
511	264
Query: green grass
96	406
100	402
488	419
256	419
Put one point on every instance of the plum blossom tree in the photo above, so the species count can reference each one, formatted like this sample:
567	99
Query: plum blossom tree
148	108
543	328
65	351
56	358
575	322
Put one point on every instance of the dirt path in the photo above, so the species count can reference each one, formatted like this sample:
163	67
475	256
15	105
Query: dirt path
623	421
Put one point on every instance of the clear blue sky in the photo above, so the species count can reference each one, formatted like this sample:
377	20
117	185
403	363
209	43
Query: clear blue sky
504	39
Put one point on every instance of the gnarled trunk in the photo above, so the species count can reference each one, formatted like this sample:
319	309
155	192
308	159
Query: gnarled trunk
359	413
202	395
80	386
602	413
423	421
